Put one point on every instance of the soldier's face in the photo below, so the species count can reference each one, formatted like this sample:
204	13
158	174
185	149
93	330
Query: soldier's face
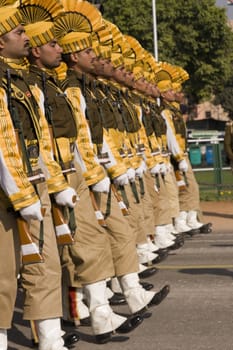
108	68
129	79
179	96
141	85
119	74
86	60
15	44
49	55
169	95
98	64
155	91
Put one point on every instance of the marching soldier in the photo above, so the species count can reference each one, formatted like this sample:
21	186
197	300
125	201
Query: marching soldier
228	142
189	202
26	167
90	254
78	55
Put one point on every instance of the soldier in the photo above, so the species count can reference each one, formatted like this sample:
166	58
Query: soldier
25	169
189	202
228	142
189	196
91	253
78	55
142	94
121	120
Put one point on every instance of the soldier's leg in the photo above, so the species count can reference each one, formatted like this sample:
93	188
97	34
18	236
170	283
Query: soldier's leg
9	269
190	202
42	283
126	261
138	223
91	255
162	214
148	250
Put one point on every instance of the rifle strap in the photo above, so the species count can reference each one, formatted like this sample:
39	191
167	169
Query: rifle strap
157	182
185	179
108	206
72	222
123	195
134	191
41	238
142	187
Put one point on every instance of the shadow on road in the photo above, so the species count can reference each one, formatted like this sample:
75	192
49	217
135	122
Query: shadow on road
208	271
220	215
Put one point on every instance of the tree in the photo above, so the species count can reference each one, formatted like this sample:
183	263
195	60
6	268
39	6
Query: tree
192	34
224	98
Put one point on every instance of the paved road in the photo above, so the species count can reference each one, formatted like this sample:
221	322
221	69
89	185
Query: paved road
196	315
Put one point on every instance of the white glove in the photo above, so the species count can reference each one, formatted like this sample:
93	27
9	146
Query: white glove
101	186
121	180
67	197
183	165
32	212
140	170
169	167
163	168
155	170
131	174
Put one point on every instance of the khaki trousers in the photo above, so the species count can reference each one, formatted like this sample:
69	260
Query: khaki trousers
173	194
189	197
42	281
136	215
121	237
9	266
89	259
160	200
148	212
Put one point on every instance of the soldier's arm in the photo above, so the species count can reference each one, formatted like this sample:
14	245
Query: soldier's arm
13	178
172	142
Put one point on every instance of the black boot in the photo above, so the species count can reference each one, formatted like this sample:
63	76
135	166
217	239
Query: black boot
117	299
70	338
129	325
148	272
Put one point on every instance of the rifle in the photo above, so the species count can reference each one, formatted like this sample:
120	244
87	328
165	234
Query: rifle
62	230
30	251
120	201
181	181
31	254
98	213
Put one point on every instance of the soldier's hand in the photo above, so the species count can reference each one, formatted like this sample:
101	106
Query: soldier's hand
32	212
155	170
131	174
163	168
102	186
121	180
67	197
140	170
183	166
